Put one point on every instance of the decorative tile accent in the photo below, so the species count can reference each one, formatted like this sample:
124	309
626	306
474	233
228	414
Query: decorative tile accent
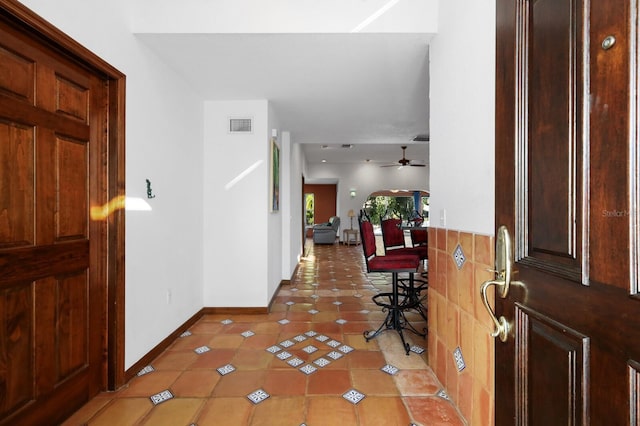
345	349
443	394
248	333
321	362
390	369
310	349
295	362
457	357
284	321
337	303
226	369
334	355
202	349
186	334
273	349
258	396
314	296
353	396
417	349
160	397
308	369
459	257
313	311
341	321
365	311
290	303
146	370
294	289
226	321
284	355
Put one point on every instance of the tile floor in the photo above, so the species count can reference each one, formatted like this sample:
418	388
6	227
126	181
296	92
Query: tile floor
305	363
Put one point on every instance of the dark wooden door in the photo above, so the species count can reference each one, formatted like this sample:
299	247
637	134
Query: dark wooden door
52	280
567	190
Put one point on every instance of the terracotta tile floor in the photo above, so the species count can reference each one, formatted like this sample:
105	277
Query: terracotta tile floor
245	375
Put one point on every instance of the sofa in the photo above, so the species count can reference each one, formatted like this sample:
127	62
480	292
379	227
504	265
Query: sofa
326	233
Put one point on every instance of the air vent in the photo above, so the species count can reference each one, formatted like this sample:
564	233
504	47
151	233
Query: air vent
240	125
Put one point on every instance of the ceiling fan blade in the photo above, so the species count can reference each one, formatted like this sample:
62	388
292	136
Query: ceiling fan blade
404	161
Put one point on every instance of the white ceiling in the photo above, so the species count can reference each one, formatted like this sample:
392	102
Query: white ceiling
366	89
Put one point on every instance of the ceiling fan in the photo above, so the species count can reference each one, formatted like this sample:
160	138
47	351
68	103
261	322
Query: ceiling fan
404	161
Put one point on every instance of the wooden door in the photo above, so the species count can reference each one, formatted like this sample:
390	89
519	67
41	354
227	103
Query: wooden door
53	292
567	191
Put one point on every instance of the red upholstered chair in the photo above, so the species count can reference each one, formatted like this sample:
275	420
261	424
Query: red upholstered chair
419	237
394	242
394	245
396	302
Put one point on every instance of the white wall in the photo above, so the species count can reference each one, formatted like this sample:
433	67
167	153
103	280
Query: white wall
462	116
365	179
236	206
164	145
292	228
275	225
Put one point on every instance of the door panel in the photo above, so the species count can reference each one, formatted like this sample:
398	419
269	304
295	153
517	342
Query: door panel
553	130
553	357
17	222
566	180
16	342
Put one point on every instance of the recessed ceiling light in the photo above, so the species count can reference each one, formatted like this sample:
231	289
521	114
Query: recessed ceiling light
324	160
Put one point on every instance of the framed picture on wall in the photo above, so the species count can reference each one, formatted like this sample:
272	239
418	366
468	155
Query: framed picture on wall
275	176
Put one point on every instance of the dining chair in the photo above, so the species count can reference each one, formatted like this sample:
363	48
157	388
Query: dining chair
399	300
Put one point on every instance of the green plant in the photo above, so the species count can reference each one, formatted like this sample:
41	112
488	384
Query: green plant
309	209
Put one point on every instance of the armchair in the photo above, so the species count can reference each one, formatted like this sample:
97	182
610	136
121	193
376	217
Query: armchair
326	233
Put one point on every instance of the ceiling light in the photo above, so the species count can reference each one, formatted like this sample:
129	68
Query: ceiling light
324	160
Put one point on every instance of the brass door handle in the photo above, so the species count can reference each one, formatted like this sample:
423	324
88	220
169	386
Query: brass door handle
502	326
504	270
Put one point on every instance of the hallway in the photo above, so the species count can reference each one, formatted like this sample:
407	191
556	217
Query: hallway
306	362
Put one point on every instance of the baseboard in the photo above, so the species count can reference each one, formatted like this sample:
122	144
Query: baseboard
235	311
161	347
166	342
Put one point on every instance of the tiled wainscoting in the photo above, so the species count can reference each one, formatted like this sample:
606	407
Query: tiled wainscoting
460	346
